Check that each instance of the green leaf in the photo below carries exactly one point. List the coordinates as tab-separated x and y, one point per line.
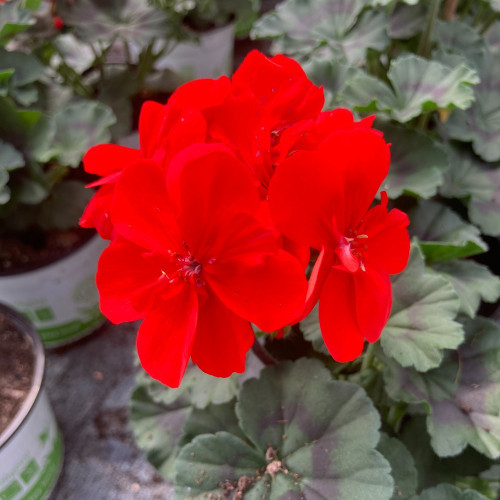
80	126
458	37
480	124
299	27
473	282
212	464
10	157
76	55
131	20
30	192
417	162
13	20
422	322
477	182
462	395
312	332
299	444
27	68
402	465
442	234
432	469
420	85
407	20
65	205
448	492
158	427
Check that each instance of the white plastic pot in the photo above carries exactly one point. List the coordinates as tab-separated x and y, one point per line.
210	58
31	449
60	299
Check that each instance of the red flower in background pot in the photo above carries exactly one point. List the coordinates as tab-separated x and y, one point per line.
192	260
322	198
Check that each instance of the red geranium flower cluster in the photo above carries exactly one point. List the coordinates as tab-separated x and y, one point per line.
212	219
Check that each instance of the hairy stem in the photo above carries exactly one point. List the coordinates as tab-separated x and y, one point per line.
425	41
450	9
368	357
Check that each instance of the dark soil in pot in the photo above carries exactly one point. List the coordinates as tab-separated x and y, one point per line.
17	362
36	248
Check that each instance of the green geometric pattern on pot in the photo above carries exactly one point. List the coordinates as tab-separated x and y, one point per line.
422	323
418	85
462	396
442	234
307	436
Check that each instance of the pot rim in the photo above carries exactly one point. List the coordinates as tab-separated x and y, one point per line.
25	327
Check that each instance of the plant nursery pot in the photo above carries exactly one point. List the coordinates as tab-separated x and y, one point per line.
60	298
31	449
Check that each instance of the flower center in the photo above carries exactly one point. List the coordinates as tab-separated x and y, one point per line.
184	267
351	250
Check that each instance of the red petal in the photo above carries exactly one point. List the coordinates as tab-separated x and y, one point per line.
96	213
388	240
122	271
151	122
373	300
106	159
303	195
337	317
319	274
141	211
269	293
222	339
359	161
201	94
209	186
166	336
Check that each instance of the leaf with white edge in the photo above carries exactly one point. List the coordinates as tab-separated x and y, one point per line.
442	234
158	427
420	85
301	445
403	468
418	163
27	68
13	19
201	389
312	332
422	322
80	126
480	124
407	20
473	282
448	492
131	20
462	395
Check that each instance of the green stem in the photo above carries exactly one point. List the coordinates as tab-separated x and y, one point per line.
423	121
262	354
489	21
368	357
478	16
425	40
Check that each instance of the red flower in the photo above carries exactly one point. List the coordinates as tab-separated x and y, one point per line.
194	262
322	198
164	130
57	23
